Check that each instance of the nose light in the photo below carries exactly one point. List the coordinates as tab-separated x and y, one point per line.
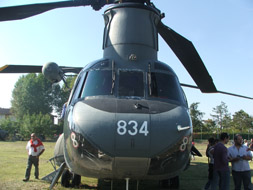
180	128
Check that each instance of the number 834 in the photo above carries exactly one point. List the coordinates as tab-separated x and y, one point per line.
132	128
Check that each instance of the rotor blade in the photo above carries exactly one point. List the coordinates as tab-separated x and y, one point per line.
20	69
24	11
189	57
33	69
221	92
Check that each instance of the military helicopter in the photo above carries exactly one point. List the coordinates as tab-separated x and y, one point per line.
127	115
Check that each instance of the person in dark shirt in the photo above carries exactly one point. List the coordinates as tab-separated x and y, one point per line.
209	154
221	173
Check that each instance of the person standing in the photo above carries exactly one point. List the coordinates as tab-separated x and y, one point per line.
251	145
209	154
239	158
221	174
245	142
35	149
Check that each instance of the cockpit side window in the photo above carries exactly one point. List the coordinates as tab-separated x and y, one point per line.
77	87
164	86
131	83
98	82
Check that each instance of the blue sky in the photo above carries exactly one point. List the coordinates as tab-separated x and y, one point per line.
220	30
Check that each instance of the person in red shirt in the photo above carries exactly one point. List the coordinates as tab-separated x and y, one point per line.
34	148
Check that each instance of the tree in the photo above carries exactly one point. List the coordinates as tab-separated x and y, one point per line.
196	117
242	121
9	125
63	96
34	99
209	125
221	117
41	124
32	94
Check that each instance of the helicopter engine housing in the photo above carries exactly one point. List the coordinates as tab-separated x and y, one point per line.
52	72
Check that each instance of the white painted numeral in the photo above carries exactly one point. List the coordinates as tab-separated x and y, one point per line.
144	128
133	125
121	127
135	130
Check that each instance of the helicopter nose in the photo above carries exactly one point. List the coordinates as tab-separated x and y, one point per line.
127	131
114	129
95	125
126	137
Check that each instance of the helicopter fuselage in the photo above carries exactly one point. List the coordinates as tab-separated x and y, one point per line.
127	132
127	116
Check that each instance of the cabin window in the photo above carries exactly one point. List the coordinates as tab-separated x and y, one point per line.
131	83
164	86
98	83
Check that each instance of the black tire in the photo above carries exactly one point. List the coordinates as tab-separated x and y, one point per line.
65	178
76	180
164	183
104	184
172	183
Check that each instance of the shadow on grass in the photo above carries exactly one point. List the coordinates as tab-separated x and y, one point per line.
194	178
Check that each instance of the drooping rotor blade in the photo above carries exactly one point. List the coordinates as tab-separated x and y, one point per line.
221	92
33	69
24	11
20	69
189	57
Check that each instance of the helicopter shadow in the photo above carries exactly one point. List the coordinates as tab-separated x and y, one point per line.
194	178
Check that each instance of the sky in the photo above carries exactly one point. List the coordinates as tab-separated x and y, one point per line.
221	31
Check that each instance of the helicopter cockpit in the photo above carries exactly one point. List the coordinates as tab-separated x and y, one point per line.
102	79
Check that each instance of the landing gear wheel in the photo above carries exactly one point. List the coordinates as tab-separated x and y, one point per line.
69	179
172	183
104	184
76	180
65	178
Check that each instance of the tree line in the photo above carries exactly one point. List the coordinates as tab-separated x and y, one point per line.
34	103
221	120
35	100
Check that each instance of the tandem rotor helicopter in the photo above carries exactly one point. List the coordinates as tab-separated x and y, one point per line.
127	116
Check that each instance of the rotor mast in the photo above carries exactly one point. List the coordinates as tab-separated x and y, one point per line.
130	33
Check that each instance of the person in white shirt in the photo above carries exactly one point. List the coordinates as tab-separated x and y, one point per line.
245	142
34	148
239	156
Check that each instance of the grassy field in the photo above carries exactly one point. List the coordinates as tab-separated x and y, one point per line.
13	158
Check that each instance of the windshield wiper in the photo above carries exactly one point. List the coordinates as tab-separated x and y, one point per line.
149	79
113	77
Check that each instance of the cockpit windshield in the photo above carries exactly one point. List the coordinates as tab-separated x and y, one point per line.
164	86
98	82
131	83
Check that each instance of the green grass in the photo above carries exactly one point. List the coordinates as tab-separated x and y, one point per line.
13	158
